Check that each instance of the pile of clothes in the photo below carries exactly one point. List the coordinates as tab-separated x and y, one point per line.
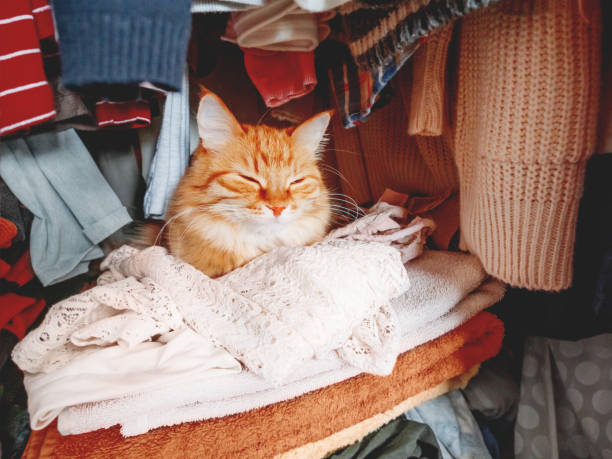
157	343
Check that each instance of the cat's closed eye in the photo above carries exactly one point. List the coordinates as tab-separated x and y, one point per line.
250	179
296	181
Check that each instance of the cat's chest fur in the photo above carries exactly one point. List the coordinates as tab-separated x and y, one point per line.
217	247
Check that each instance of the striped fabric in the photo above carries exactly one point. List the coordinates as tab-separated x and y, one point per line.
379	36
357	90
26	98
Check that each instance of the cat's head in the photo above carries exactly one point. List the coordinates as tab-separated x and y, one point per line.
259	176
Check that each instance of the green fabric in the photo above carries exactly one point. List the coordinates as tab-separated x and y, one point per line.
399	439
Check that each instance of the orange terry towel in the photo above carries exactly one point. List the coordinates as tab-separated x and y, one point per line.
281	427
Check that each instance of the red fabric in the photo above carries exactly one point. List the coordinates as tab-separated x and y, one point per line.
25	96
43	19
280	76
128	114
8	231
19	323
21	272
18	312
4	268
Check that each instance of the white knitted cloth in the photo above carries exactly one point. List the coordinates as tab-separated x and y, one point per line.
284	307
440	298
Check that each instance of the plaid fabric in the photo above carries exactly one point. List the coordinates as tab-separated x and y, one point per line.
373	39
375	36
356	90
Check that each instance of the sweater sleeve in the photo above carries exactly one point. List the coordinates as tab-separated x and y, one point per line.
123	41
527	104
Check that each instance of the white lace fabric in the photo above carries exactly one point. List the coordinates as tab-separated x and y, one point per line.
284	307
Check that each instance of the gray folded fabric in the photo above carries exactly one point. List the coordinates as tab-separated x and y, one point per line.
113	152
74	208
171	153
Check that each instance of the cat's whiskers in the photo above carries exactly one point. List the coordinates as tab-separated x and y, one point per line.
161	231
350	202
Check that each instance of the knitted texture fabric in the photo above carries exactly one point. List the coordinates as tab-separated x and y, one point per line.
527	105
427	107
284	306
123	41
375	35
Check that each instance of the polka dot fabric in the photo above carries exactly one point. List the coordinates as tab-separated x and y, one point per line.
565	409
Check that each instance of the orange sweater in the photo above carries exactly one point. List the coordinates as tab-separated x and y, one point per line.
527	105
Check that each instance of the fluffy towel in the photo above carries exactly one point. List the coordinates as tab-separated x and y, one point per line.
442	300
522	164
357	432
281	427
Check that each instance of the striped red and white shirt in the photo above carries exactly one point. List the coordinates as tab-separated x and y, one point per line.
26	98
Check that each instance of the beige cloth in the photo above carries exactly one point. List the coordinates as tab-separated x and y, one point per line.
527	107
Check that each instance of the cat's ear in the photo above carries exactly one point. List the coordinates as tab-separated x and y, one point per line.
216	123
311	133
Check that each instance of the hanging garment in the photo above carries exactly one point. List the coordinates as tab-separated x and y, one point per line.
521	165
566	401
279	25
585	309
373	37
399	438
74	208
172	152
379	39
426	100
125	42
453	425
356	90
26	98
380	154
280	76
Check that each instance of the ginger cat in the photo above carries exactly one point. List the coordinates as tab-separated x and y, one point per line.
249	189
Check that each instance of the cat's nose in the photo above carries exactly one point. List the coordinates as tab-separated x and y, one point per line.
277	210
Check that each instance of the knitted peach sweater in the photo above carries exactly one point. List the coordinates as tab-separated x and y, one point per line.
527	105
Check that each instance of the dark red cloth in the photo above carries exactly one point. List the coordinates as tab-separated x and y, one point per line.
280	76
20	304
26	98
127	114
